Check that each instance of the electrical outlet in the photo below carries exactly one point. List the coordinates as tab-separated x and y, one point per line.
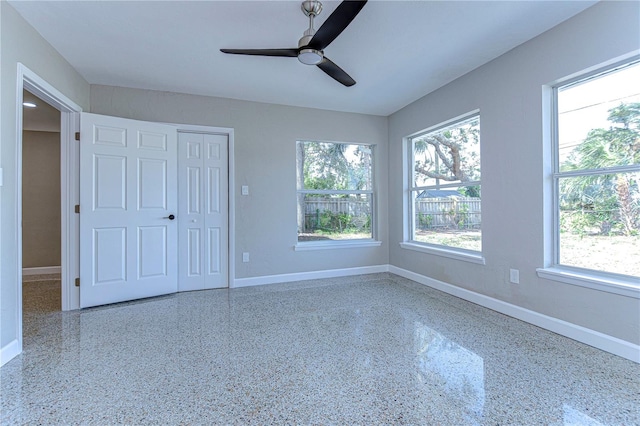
245	257
245	190
514	276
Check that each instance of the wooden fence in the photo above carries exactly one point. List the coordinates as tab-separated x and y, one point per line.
337	205
322	213
450	212
430	213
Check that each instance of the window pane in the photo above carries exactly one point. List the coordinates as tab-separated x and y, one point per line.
335	217
448	217
600	222
447	155
335	166
598	121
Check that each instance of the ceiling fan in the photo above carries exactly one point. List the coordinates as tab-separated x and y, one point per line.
310	50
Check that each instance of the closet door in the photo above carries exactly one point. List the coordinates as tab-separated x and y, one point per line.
203	210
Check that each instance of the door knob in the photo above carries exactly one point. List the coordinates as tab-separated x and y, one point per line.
170	217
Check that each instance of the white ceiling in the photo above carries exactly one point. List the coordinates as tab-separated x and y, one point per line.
397	51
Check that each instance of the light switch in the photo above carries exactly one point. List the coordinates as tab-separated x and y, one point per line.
245	189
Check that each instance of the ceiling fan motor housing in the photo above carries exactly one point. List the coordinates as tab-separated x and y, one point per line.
310	56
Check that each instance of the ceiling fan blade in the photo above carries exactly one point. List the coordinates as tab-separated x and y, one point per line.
289	53
336	23
335	72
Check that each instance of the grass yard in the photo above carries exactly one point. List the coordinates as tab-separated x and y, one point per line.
618	254
470	239
333	236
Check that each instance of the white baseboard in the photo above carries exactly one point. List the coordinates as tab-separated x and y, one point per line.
41	270
303	276
584	335
8	352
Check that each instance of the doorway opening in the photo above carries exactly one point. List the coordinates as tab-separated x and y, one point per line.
41	209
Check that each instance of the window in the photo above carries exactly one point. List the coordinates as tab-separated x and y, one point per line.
335	191
597	172
444	185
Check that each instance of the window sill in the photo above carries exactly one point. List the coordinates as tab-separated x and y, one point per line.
452	253
624	286
332	245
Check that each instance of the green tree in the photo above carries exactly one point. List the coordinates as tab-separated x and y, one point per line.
325	166
450	154
608	201
470	191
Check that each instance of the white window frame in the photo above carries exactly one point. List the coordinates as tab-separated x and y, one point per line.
409	189
595	279
339	244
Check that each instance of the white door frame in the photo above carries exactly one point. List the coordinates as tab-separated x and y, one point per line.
231	226
69	255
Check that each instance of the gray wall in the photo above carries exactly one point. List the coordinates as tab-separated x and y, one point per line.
509	93
265	159
19	42
40	199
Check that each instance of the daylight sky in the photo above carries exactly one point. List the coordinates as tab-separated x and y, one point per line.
585	106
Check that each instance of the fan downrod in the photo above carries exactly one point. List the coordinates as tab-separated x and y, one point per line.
310	8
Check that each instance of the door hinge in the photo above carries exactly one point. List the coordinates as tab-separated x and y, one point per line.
77	282
77	208
77	136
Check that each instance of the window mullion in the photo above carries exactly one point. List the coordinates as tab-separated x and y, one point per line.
334	191
602	171
448	185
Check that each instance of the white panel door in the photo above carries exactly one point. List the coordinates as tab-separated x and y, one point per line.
128	192
203	210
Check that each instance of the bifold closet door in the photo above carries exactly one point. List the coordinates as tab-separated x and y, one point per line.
203	209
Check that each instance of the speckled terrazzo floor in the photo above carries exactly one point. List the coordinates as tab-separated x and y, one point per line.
372	349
